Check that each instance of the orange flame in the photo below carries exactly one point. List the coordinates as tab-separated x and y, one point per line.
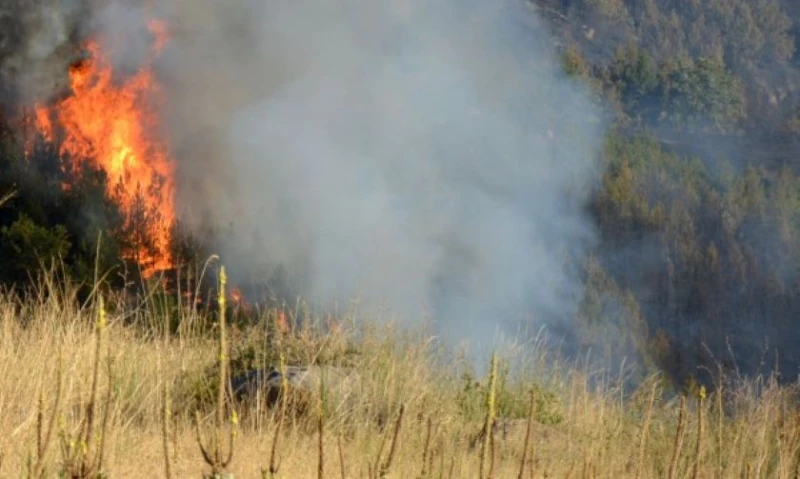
236	295
281	322
113	125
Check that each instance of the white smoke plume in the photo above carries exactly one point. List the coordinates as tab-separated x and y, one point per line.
425	156
422	155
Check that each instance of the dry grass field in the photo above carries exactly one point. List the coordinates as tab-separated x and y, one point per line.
102	391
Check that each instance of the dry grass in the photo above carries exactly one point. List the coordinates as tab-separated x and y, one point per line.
414	412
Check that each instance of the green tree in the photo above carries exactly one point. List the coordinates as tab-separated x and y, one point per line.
636	76
702	95
28	247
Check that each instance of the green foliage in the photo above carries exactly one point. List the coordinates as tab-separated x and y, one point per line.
512	399
29	247
613	327
635	74
742	33
62	213
641	184
709	266
612	10
703	95
573	63
692	266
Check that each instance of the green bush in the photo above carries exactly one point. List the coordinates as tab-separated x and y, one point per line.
28	246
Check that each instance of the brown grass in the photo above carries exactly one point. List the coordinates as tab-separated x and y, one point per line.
414	413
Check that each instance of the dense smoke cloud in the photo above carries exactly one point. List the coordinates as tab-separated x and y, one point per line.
428	157
424	156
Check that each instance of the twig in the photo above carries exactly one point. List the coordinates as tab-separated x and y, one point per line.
384	469
528	429
213	454
321	446
699	450
646	430
426	450
676	449
487	459
274	461
341	457
43	438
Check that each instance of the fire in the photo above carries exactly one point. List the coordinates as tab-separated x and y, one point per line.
236	295
112	124
160	34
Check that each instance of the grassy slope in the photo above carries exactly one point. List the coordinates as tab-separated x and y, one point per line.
578	431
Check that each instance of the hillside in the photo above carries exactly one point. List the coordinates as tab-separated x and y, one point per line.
698	204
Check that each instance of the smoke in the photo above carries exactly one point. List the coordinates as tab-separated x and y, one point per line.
427	157
37	42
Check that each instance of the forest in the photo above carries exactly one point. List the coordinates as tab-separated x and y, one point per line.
698	204
698	207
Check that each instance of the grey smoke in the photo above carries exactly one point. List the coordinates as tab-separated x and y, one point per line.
428	157
37	40
421	155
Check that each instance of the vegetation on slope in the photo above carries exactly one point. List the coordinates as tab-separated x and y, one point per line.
697	207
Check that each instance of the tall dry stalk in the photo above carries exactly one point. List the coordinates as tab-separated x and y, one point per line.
165	417
387	464
81	458
214	455
441	464
321	428
699	449
274	460
342	466
646	429
796	434
381	467
91	409
528	429
372	468
44	433
720	428
678	444
166	412
321	447
106	412
452	470
426	449
487	451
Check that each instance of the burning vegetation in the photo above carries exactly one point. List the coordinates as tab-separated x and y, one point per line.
112	123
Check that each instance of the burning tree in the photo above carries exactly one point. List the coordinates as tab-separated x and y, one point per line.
112	126
43	222
140	246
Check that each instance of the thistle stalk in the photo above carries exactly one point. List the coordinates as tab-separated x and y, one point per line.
487	451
